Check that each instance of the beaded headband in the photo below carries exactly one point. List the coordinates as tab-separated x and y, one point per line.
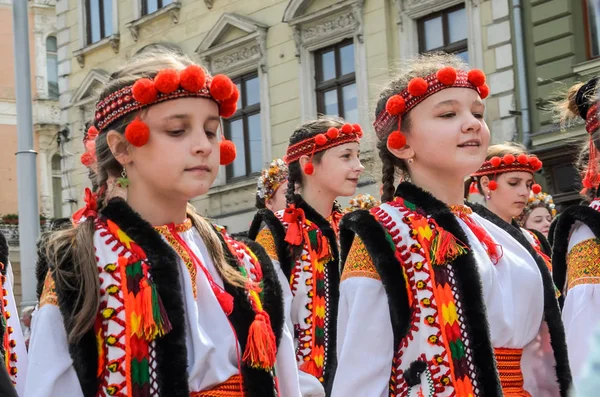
320	142
537	200
509	163
271	179
168	84
417	90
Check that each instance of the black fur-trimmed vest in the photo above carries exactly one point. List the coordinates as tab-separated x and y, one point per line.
121	229
316	336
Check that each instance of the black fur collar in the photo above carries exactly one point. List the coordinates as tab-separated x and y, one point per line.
469	285
562	232
284	255
171	351
551	310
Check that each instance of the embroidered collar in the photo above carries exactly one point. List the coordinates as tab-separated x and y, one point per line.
179	227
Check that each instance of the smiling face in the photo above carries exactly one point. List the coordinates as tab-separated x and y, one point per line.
510	197
539	219
181	158
447	136
338	171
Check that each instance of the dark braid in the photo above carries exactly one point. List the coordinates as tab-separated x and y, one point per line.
294	176
391	164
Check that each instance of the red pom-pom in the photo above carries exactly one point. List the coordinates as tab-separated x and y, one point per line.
356	128
508	159
235	94
309	169
476	77
227	109
347	128
90	146
495	161
87	159
417	86
144	91
320	139
522	159
137	133
484	91
538	165
359	133
332	133
167	81
221	87
493	185
395	105
536	189
92	133
192	78
396	140
228	151
446	75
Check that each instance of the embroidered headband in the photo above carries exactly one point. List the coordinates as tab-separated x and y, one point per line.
509	163
416	91
362	202
320	142
537	200
168	84
271	179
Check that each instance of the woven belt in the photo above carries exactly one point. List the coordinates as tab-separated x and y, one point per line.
232	387
509	368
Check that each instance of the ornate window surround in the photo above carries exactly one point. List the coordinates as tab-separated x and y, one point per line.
112	40
409	11
238	57
139	20
320	29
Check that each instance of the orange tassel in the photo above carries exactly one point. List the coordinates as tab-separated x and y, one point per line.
310	367
261	347
445	248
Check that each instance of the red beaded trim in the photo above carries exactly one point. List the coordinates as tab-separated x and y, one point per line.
591	121
509	163
385	121
320	142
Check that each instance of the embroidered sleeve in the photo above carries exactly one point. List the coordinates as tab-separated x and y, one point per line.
265	238
359	262
48	296
583	263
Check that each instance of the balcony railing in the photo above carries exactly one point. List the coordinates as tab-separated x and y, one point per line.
11	232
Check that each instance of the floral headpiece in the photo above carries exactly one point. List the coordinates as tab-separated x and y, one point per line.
362	202
271	178
193	81
509	163
588	108
315	144
537	200
416	91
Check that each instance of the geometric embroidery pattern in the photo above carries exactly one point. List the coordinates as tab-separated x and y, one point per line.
359	262
583	263
266	240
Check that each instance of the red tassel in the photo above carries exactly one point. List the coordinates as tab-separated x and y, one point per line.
310	367
261	347
493	249
445	248
295	218
225	300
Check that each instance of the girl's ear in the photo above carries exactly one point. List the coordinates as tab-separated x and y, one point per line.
405	153
119	147
484	181
303	161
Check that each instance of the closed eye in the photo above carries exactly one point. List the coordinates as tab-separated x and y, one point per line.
478	115
448	115
175	132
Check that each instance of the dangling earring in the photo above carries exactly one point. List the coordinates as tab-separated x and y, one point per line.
123	181
410	160
488	196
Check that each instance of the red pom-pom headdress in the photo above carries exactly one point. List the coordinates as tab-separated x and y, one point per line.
320	142
509	163
417	90
193	81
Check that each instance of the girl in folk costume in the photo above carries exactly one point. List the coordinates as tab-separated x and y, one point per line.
272	186
576	248
323	162
144	297
13	352
442	301
538	214
506	181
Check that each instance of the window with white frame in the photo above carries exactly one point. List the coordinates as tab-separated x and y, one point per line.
445	30
336	81
52	67
244	129
150	6
99	19
592	24
57	185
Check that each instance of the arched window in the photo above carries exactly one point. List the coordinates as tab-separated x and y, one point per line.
52	67
57	200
